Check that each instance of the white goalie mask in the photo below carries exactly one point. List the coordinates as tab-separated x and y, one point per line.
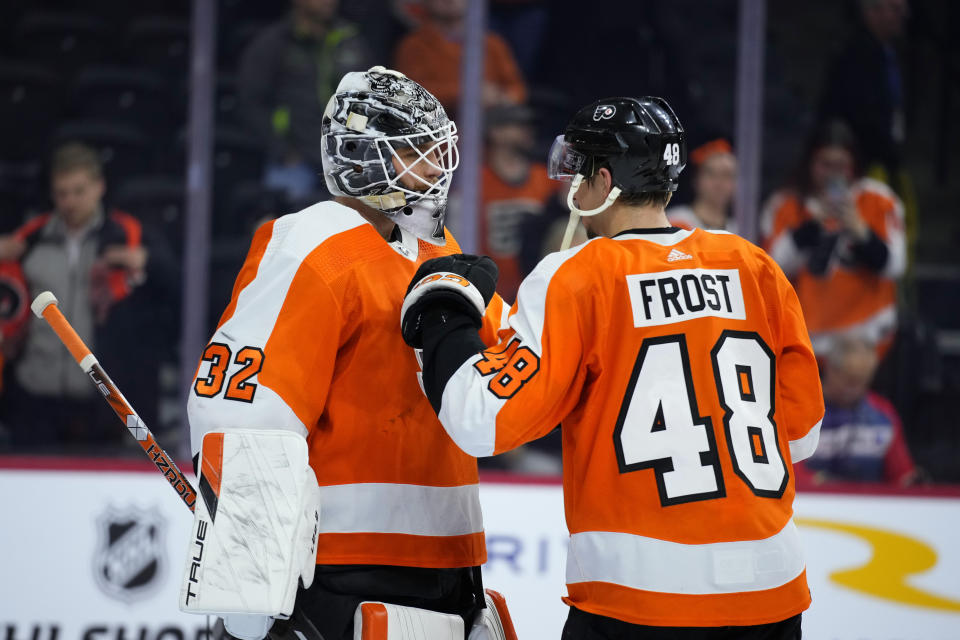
377	128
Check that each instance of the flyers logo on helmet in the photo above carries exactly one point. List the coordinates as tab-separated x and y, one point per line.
604	112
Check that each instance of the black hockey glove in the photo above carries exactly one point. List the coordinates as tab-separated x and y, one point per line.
808	234
455	285
871	253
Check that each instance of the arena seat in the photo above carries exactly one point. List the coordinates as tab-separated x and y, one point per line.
64	41
30	103
160	43
158	201
123	94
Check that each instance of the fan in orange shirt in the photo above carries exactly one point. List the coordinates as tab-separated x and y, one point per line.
840	239
513	188
714	183
431	54
679	368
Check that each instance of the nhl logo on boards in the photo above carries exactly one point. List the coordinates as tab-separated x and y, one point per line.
604	112
129	558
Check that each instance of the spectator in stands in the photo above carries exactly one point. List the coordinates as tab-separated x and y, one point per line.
286	76
523	24
714	184
840	238
431	55
92	258
543	234
861	437
864	86
514	187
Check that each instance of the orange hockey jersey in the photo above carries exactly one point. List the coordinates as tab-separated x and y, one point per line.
680	369
845	298
310	342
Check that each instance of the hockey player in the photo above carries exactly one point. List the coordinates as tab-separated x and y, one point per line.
680	369
320	461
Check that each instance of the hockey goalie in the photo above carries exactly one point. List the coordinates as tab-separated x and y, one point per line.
332	503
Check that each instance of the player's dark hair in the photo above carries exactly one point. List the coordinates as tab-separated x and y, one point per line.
631	198
647	198
830	133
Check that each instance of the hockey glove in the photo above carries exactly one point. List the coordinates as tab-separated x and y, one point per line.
459	283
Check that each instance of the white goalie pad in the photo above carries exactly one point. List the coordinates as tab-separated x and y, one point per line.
382	621
493	622
255	525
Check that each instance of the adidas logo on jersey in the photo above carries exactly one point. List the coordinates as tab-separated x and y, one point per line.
676	254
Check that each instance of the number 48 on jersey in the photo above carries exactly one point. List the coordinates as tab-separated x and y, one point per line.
660	426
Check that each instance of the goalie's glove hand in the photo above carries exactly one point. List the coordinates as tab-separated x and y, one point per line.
459	283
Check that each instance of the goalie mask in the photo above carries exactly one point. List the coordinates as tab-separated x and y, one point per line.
377	127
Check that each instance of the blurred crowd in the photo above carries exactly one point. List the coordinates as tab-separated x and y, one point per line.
94	212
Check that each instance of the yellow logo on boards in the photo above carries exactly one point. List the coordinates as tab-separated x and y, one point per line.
895	557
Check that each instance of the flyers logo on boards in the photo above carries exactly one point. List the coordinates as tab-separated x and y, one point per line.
604	112
129	559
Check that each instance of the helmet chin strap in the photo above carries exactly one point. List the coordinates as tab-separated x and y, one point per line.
576	213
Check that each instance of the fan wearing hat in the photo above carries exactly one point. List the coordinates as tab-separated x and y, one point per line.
714	183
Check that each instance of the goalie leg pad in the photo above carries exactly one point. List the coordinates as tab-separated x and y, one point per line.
255	526
493	622
247	627
383	621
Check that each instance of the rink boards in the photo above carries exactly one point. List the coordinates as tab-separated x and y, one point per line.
88	553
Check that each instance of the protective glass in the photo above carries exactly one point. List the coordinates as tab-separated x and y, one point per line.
564	161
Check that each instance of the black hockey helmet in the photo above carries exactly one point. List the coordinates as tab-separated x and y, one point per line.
640	140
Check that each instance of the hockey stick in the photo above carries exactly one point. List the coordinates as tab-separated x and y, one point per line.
45	307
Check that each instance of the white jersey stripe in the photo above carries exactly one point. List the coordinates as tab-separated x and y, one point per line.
532	298
400	508
258	305
657	565
803	448
295	236
468	411
875	328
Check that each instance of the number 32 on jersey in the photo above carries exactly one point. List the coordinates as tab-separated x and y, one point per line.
218	355
660	426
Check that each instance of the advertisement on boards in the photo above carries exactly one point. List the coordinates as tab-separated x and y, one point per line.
98	555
